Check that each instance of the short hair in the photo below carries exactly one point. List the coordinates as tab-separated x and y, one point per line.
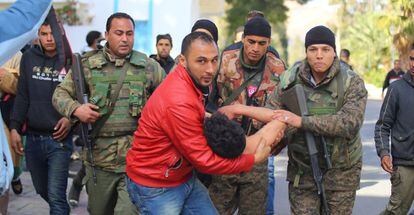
46	22
224	136
254	13
92	36
165	37
118	15
191	37
346	52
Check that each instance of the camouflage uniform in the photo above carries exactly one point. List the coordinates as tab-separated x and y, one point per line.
246	191
102	71
339	122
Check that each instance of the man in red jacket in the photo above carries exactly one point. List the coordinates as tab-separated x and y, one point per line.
169	142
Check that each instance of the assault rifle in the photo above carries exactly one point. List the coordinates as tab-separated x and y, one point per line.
295	101
82	97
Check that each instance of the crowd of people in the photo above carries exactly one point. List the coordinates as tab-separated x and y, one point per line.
197	134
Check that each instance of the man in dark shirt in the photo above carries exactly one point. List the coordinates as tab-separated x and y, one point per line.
394	141
164	46
394	74
48	146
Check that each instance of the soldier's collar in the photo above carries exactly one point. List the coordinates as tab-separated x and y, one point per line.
113	59
250	67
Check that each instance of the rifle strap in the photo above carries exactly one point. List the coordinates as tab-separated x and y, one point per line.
341	90
246	121
237	92
100	123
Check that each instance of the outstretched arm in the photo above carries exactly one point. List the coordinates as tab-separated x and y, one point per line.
272	133
261	114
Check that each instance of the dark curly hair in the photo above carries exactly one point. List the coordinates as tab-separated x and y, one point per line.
225	137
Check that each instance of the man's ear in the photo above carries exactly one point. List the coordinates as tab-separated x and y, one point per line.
106	35
183	61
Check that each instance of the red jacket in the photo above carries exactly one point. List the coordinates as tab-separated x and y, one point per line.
169	141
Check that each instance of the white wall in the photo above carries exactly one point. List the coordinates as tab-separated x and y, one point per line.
174	17
101	10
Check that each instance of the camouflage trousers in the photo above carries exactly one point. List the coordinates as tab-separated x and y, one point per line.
402	190
245	191
340	190
109	195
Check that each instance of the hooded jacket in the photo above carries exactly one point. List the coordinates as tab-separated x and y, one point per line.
37	82
396	122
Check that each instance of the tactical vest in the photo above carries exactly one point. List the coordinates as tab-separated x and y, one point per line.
132	96
324	100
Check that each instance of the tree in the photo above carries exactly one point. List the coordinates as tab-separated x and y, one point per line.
371	30
399	19
275	12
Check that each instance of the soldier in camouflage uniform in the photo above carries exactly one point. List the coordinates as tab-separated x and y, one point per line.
102	68
336	99
251	63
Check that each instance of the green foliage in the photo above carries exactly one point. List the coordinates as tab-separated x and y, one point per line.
376	32
67	13
369	44
275	12
375	77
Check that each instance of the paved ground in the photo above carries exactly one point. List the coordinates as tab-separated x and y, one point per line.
29	203
371	198
375	189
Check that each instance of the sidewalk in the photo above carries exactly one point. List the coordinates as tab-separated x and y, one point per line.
30	203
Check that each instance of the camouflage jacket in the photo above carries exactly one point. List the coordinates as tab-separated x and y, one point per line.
233	72
340	127
109	151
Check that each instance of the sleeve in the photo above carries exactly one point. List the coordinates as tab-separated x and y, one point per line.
348	120
8	83
155	75
19	25
386	81
64	98
183	126
21	102
274	103
385	122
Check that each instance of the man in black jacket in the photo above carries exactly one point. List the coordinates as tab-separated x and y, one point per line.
397	120
164	46
48	146
393	75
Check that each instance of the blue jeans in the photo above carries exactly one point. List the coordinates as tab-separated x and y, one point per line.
48	163
190	197
271	188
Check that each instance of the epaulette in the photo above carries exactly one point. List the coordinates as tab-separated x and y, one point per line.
95	59
138	59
